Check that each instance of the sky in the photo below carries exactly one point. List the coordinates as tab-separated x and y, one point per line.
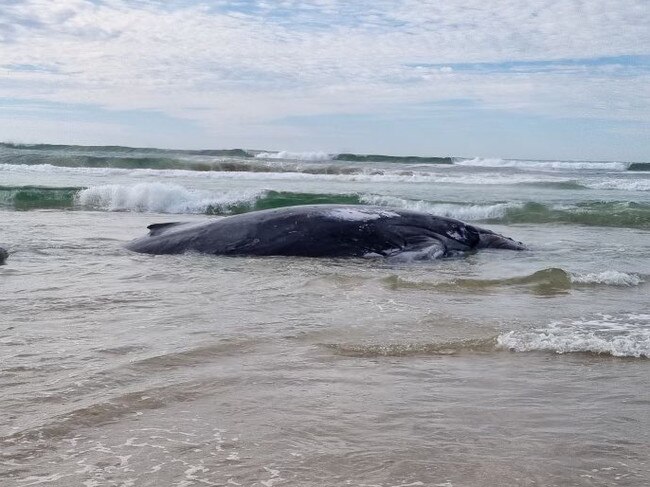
537	79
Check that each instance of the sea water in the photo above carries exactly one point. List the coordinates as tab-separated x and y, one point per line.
493	368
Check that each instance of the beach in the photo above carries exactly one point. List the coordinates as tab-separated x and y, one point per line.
491	368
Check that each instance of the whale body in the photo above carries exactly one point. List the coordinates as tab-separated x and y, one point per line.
323	231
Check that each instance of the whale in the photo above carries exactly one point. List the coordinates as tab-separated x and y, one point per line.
324	231
3	255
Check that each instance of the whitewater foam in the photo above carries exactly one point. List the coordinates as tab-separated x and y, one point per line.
450	210
611	278
368	175
360	214
555	165
295	156
622	336
173	198
621	184
161	198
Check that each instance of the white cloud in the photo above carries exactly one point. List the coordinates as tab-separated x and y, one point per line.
246	63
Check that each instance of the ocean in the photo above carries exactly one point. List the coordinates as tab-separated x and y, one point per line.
488	369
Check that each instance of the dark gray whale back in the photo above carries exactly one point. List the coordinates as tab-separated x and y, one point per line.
323	231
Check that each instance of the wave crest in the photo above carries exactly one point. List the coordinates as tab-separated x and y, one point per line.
295	156
623	336
621	184
450	210
172	198
611	278
555	165
161	198
545	282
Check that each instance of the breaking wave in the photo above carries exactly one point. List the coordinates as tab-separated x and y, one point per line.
450	210
596	213
37	197
554	165
243	170
393	159
545	282
295	156
639	166
611	278
261	161
618	336
174	198
160	198
620	184
256	169
171	198
625	214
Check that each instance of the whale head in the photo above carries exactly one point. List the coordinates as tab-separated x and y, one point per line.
491	240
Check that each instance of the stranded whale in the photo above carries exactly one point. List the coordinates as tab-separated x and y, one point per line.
323	231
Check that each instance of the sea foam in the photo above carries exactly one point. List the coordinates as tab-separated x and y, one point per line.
160	198
299	174
556	165
611	278
172	198
619	336
620	184
295	156
450	210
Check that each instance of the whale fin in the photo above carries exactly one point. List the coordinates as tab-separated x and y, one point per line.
422	249
158	228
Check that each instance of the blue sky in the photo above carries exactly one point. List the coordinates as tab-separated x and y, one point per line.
548	79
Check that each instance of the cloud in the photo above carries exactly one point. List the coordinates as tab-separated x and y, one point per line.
236	65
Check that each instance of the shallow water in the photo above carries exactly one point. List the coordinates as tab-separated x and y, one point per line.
495	368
